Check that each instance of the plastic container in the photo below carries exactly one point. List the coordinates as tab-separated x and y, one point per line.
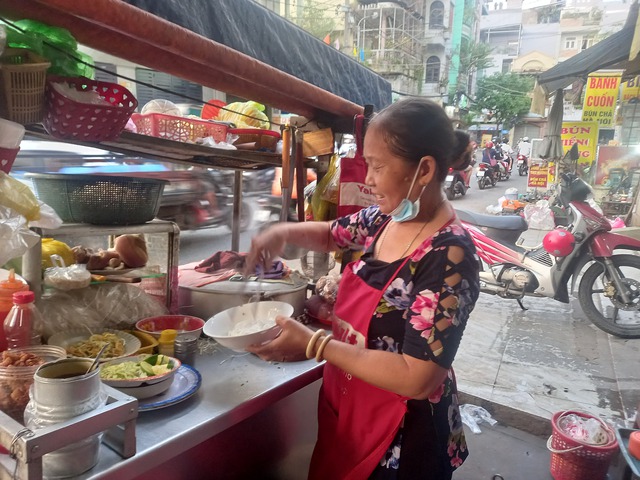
19	323
22	83
100	199
179	129
69	119
572	459
16	377
11	134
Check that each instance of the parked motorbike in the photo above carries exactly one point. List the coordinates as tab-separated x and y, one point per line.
457	182
486	175
522	162
609	289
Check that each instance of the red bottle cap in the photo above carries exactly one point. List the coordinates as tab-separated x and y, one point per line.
21	298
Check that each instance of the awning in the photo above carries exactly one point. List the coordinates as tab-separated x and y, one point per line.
612	52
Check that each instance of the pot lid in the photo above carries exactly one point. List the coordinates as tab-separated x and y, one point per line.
294	282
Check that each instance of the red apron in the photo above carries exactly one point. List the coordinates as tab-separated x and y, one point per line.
357	421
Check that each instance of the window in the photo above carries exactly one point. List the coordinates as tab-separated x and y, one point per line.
586	43
169	82
102	76
436	15
506	65
570	43
433	70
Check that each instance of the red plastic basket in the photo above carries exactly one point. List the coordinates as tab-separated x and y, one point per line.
179	129
574	460
7	157
68	119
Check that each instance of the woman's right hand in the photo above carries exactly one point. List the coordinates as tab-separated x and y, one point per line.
266	247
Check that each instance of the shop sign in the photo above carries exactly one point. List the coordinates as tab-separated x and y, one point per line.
610	157
585	134
600	99
631	90
538	176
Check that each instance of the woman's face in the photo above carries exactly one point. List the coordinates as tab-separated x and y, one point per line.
388	176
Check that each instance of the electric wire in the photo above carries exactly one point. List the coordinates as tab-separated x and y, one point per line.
139	82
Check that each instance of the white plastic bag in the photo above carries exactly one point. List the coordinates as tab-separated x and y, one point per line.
472	415
539	215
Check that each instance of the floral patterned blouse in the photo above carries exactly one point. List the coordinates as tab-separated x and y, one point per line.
421	314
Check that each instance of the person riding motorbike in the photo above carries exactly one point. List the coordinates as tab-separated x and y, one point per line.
490	157
507	153
524	147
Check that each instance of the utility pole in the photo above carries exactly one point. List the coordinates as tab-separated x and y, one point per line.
347	40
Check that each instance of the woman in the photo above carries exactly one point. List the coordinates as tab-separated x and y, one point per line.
388	405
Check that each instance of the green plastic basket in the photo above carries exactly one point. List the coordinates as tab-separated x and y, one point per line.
100	199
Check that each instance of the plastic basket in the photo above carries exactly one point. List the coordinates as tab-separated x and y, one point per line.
574	460
179	129
100	199
264	139
71	120
22	84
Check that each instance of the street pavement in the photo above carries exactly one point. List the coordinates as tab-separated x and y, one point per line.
524	366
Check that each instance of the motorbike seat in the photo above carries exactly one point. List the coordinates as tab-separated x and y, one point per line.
501	228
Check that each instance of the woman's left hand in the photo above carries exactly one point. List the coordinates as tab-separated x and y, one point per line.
289	346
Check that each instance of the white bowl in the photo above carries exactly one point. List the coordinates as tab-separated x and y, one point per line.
146	391
132	383
220	326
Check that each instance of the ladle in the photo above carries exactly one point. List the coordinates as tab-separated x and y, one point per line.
93	366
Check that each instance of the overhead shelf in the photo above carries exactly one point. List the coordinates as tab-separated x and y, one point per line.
177	152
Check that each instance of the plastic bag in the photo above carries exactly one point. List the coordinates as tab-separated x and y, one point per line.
66	278
326	192
110	305
15	236
17	196
49	219
539	216
245	115
472	415
585	430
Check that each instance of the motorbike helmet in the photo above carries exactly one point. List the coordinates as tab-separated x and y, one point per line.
559	242
525	139
488	145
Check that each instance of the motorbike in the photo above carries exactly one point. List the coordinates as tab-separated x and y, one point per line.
523	164
194	200
609	287
504	173
457	182
486	176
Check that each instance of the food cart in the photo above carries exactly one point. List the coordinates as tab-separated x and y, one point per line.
243	416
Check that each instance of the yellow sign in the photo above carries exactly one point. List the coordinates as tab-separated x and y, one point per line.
631	90
600	99
585	134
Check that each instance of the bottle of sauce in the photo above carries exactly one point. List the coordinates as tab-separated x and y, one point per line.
7	288
166	342
22	321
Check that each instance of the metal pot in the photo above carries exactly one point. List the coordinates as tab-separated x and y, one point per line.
206	301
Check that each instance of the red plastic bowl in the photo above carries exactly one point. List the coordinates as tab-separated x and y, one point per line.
186	325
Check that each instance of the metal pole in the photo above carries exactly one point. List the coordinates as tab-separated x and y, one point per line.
237	204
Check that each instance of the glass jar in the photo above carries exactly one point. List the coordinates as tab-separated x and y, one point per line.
16	378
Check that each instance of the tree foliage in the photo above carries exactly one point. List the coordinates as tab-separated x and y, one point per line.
474	57
315	20
505	96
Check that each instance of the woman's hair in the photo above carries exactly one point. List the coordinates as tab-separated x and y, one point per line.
461	155
416	127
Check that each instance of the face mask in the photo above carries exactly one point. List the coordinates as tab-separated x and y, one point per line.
408	210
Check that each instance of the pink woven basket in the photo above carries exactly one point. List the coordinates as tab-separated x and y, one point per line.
69	119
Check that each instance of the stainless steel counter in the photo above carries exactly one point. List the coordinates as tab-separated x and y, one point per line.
234	388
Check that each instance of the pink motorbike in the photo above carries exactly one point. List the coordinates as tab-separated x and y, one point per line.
609	288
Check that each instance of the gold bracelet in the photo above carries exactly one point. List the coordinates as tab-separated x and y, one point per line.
324	343
312	342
